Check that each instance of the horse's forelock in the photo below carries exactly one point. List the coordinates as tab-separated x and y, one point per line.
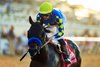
36	29
37	25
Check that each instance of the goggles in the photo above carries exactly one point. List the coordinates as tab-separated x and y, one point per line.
46	14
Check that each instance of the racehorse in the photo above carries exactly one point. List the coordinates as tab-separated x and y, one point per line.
45	54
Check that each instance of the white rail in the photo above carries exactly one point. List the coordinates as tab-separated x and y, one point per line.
95	39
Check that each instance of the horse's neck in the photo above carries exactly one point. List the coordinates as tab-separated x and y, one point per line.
47	57
42	57
44	52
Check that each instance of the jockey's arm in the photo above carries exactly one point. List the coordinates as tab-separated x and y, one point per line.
60	28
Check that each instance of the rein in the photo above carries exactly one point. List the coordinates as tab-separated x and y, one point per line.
39	49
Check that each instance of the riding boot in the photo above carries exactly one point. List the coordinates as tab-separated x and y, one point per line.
65	51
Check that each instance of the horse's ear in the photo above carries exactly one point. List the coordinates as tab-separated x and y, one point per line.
30	20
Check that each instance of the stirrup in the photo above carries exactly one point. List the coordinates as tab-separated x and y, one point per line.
67	61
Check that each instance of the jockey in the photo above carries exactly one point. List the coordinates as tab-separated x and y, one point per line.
51	17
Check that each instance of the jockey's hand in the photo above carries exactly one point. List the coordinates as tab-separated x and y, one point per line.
50	39
53	40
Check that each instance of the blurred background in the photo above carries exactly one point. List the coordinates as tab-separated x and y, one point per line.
82	26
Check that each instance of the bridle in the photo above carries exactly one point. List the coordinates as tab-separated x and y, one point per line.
37	49
34	50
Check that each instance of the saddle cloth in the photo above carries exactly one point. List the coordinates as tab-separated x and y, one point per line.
71	54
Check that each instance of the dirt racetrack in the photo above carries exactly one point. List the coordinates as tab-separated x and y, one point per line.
7	61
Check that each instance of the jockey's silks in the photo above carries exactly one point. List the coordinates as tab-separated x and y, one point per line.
57	19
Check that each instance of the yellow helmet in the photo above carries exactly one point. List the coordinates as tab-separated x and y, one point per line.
46	8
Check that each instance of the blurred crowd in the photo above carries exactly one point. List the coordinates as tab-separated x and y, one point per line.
85	45
89	46
10	44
